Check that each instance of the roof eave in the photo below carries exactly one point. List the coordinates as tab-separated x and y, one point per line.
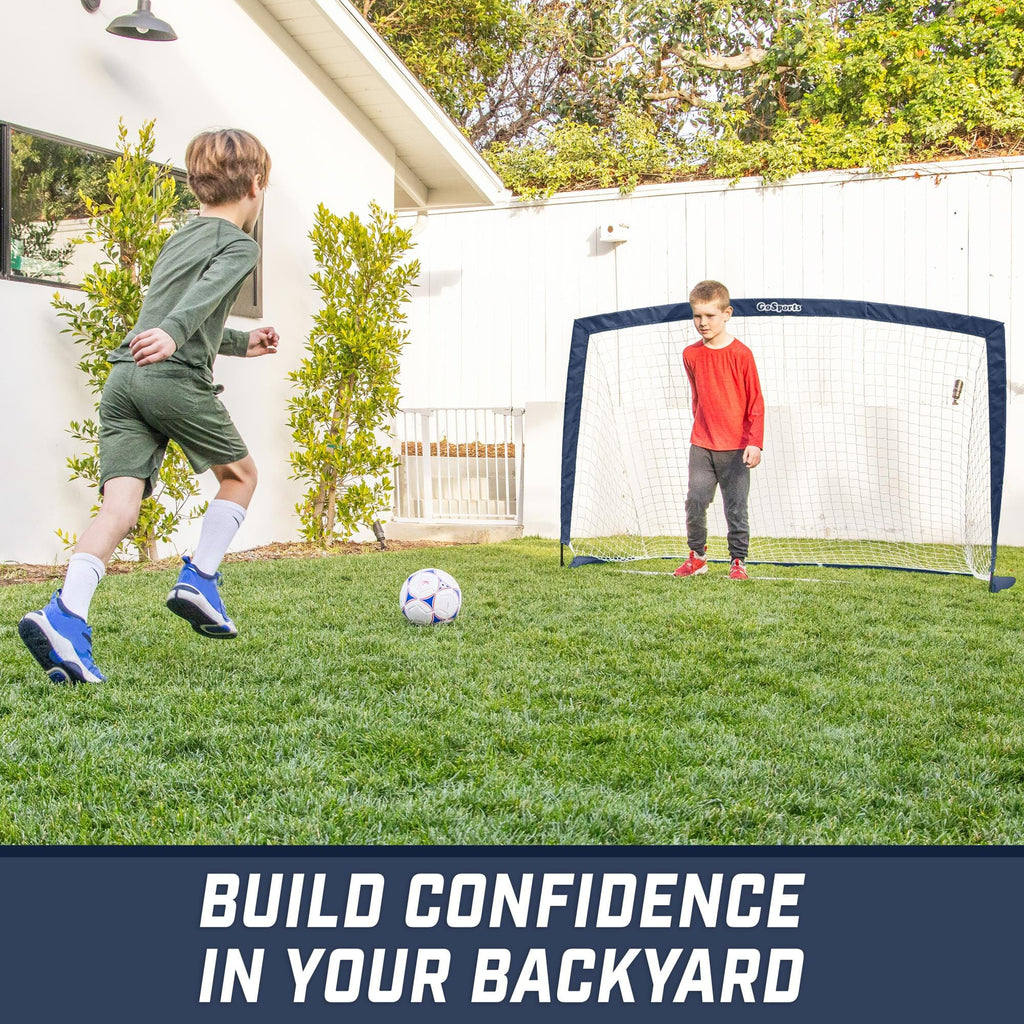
450	172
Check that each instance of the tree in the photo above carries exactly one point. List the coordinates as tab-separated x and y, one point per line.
751	87
347	383
131	226
576	155
500	68
833	85
457	50
935	80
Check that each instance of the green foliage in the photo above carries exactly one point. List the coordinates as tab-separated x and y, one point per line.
498	67
347	383
735	88
934	80
882	85
630	152
455	50
131	227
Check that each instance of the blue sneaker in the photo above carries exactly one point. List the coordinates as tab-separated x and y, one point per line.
196	599
61	642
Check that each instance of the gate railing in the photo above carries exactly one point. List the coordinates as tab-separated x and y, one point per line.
459	465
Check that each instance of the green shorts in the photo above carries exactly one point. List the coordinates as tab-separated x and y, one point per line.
143	407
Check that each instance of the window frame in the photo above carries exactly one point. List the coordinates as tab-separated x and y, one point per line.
250	299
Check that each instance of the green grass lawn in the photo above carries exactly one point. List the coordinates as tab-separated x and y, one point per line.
563	706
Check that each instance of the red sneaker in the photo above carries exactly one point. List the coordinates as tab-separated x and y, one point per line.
738	571
693	566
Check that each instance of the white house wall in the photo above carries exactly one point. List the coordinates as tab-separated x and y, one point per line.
491	318
65	75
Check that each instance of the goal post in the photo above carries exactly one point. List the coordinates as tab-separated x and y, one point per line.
885	436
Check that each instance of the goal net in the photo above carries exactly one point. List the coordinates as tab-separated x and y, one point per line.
884	436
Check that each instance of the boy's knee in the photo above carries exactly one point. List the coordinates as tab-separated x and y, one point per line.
242	472
121	520
247	474
120	509
237	480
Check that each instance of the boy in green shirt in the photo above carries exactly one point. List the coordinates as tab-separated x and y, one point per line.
161	388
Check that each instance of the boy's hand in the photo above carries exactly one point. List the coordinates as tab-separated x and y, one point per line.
262	342
751	456
152	346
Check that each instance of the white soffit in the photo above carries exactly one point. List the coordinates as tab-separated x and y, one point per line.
435	165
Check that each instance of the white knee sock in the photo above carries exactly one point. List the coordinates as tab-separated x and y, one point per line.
220	524
83	577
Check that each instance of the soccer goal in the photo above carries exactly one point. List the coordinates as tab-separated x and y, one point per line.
884	437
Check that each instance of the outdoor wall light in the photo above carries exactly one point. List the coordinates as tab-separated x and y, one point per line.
140	25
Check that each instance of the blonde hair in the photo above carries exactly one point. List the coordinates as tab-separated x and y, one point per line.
710	291
223	163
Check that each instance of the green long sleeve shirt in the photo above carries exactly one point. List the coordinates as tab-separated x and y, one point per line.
195	281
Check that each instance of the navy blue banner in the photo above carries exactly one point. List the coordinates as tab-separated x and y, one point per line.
567	934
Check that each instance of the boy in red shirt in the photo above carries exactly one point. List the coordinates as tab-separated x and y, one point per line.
728	429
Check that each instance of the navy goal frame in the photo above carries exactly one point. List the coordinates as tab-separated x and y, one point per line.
993	332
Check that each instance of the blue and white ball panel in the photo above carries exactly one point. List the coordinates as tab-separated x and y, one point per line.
429	596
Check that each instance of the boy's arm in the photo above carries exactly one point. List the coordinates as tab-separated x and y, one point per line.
754	412
233	343
693	383
260	342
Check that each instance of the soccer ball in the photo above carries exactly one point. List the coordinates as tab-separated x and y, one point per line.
429	596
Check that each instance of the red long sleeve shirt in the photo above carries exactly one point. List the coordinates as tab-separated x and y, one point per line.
728	407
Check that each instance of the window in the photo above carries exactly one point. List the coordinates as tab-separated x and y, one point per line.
42	180
43	208
250	298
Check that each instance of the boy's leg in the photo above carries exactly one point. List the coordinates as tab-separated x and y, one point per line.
225	514
237	481
195	596
734	478
119	512
58	635
81	579
700	492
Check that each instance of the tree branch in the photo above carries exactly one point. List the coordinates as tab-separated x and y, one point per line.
749	57
687	96
629	45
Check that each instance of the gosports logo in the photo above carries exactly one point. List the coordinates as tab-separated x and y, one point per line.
779	307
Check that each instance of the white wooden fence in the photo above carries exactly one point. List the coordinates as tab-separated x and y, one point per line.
492	314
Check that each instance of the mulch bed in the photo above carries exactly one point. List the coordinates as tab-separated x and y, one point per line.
15	572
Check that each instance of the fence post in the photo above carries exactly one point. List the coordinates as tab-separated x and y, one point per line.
427	464
518	432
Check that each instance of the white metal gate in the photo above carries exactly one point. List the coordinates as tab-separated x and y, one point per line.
459	465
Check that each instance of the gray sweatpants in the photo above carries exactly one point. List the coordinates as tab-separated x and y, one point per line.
709	470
